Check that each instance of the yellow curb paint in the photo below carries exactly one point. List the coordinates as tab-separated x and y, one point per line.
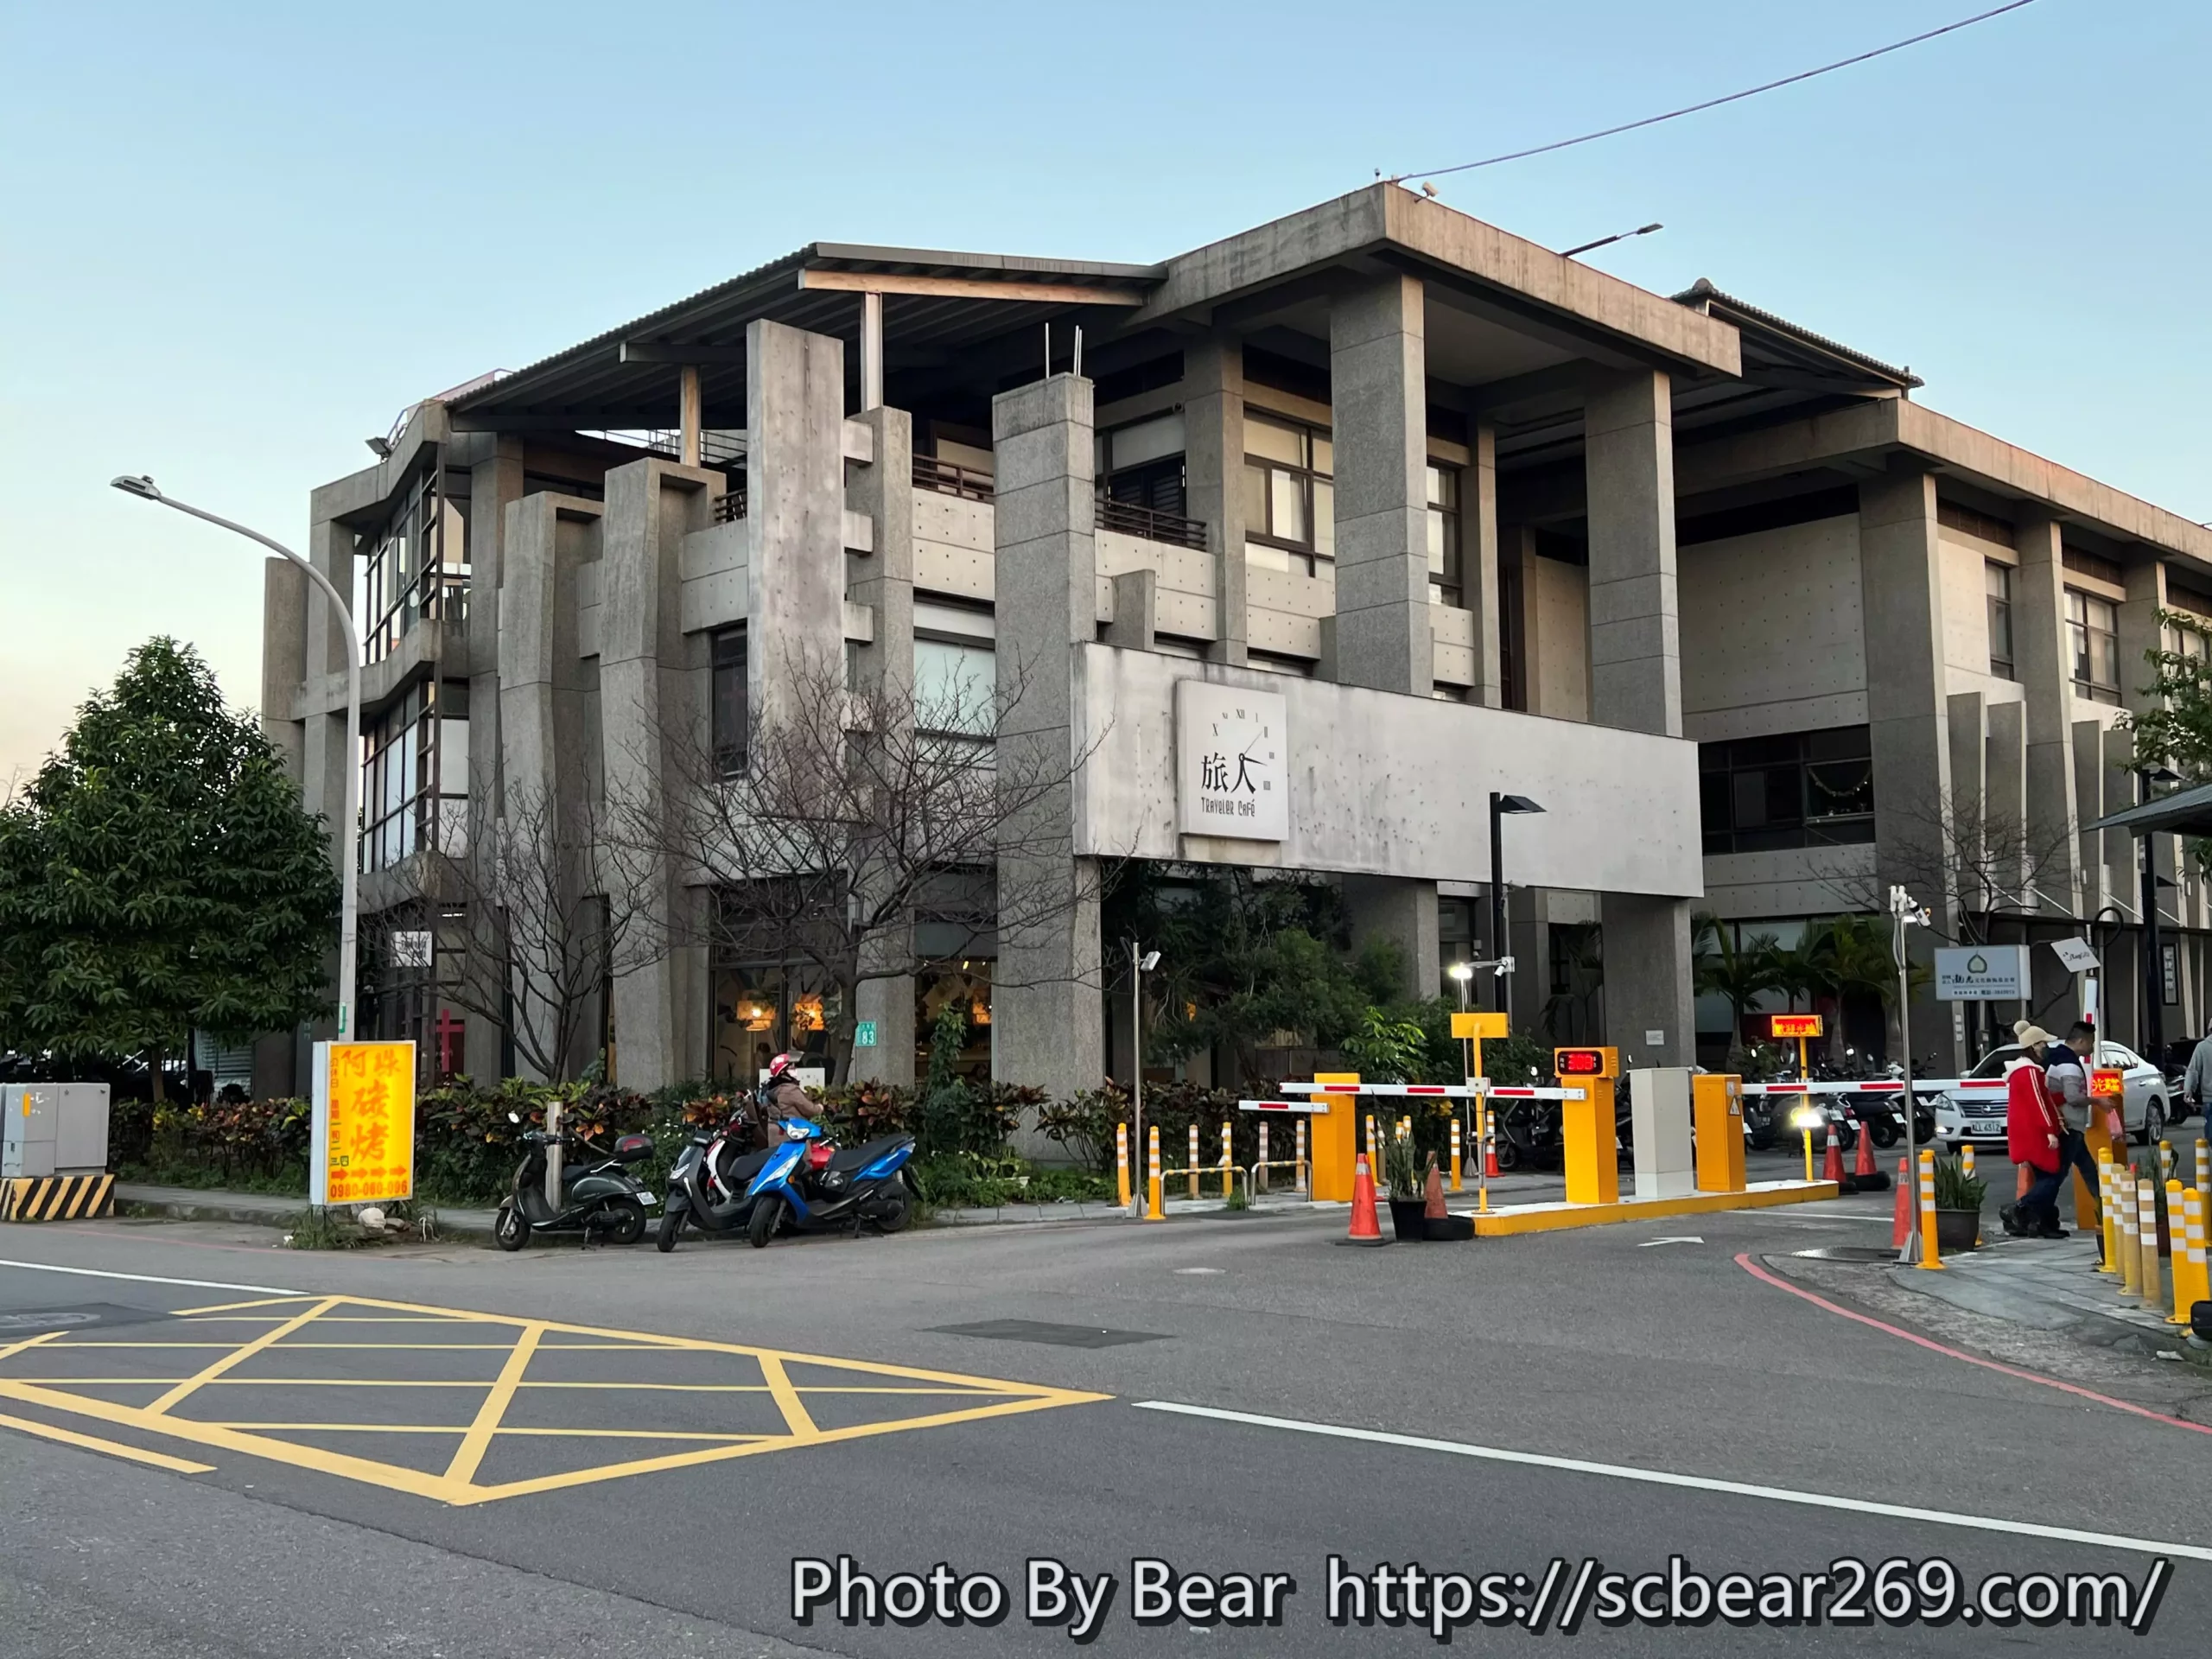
1505	1222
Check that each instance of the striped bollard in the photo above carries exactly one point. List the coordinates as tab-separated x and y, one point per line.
1930	1255
1261	1168
2131	1257
1121	1162
2166	1161
1455	1154
1374	1147
2107	1221
1965	1158
1227	1162
2204	1171
2200	1286
1154	1209
1194	1160
2147	1239
2185	1281
1303	1182
1406	1127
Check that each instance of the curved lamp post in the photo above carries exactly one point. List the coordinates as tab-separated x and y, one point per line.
350	900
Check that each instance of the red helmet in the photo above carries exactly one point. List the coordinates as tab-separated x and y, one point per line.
781	1064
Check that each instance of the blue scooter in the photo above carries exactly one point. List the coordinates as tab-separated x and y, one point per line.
808	1186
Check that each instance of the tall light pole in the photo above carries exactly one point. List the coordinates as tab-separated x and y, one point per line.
1905	913
1500	804
349	906
1140	963
2154	963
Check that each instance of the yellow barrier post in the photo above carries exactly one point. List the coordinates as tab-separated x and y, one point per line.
1965	1158
1194	1160
1808	1143
2106	1223
1930	1255
2165	1160
1455	1153
2146	1237
1589	1147
1717	1122
1305	1175
1227	1164
2185	1281
1484	1152
1155	1211
2200	1288
2131	1257
1336	1139
1406	1127
1374	1147
2204	1171
1262	1172
1121	1161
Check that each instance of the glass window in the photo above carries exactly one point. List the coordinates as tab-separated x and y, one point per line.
731	711
1997	584
1444	535
415	567
415	776
2190	644
1803	789
2094	625
1289	500
956	687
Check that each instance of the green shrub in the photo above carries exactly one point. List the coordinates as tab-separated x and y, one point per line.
1956	1189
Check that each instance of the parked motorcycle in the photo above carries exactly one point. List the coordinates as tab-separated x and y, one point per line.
808	1186
598	1196
711	1185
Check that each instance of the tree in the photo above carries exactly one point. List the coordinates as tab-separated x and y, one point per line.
2177	729
159	874
545	917
1972	864
853	814
1741	971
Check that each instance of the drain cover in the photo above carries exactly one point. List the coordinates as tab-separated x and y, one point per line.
1061	1336
1861	1253
28	1322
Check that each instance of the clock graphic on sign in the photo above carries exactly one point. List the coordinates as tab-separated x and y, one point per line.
1243	761
1232	775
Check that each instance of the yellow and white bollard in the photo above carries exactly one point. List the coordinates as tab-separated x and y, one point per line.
1154	1210
2166	1161
2204	1171
1374	1147
1227	1162
1194	1160
2183	1278
1260	1170
2123	1208
1455	1154
1965	1158
1930	1255
1304	1180
1121	1161
2146	1232
2200	1286
1406	1129
2108	1219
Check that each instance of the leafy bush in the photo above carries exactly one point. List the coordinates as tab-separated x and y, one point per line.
1084	1126
1956	1189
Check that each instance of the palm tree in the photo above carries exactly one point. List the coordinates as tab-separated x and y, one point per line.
1741	971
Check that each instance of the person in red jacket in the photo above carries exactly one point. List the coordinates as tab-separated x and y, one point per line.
2033	1133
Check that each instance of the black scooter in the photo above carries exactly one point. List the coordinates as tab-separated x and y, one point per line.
597	1197
707	1187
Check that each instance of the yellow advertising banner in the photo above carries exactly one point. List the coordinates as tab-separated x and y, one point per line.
1480	1027
364	1139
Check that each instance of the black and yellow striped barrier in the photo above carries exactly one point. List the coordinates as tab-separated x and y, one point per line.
57	1198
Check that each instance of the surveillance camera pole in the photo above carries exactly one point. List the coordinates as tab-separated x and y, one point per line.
349	869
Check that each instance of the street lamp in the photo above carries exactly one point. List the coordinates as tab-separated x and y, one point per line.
1140	965
349	899
1906	912
1500	804
2154	964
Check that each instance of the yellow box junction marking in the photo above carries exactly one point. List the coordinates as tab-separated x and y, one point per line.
34	1372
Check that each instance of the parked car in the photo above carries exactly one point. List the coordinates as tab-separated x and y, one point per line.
1978	1115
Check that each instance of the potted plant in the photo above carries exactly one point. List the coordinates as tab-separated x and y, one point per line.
1958	1207
1407	1208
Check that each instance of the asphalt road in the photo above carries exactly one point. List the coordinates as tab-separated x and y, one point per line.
448	1452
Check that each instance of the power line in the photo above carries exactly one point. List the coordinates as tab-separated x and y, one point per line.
1714	103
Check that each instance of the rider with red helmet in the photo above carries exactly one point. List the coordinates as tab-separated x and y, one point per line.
784	1095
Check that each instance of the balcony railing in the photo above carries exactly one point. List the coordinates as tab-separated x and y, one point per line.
1151	524
437	595
728	509
945	478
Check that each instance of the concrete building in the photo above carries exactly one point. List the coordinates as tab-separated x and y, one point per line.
1414	508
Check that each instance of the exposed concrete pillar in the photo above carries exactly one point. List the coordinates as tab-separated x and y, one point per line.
1213	475
690	414
883	581
1378	369
650	709
1478	588
495	484
1046	1013
795	506
1404	912
1901	597
326	747
2042	656
1636	666
1636	682
2139	628
285	591
2087	805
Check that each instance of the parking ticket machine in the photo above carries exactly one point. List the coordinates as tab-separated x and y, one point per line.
1594	1172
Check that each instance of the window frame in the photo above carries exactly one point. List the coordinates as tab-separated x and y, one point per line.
1725	767
1311	481
2083	636
1997	610
729	665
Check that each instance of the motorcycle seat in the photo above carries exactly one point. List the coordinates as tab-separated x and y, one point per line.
743	1169
859	1157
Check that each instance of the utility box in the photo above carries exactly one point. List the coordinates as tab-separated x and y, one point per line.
1659	1109
53	1128
1718	1109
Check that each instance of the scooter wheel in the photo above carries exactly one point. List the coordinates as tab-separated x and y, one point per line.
1885	1135
671	1228
762	1226
892	1212
1509	1157
629	1221
510	1228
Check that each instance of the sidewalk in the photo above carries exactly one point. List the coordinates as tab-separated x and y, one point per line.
2046	1284
261	1209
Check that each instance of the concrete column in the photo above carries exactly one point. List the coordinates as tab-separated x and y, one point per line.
2042	656
1213	477
1478	587
1404	912
2003	792
1635	668
1377	369
795	504
285	591
1646	952
649	704
2095	879
1901	597
690	415
883	581
2139	629
326	748
1046	1025
495	483
1970	831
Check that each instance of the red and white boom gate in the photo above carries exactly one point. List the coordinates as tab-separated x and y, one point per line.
1336	1141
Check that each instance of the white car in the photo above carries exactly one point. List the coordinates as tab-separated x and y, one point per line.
1977	1115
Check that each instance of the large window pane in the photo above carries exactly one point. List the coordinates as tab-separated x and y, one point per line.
1286	507
956	687
730	702
1797	789
1324	518
1272	441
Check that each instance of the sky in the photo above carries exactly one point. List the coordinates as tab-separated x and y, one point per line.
240	239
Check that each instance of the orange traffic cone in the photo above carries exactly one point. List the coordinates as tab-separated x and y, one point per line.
1863	1175
1832	1160
1904	1218
1364	1229
1490	1153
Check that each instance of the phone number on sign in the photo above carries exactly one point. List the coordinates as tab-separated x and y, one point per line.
1850	1592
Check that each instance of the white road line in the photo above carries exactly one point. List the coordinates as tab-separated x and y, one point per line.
1700	1483
151	1279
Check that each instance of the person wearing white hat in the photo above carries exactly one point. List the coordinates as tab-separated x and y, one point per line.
2033	1133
